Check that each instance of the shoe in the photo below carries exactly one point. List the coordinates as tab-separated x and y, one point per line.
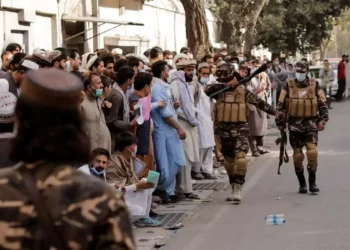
176	198
231	198
264	151
197	176
192	196
237	193
153	214
163	196
146	222
302	181
156	199
154	205
209	176
256	154
312	181
330	107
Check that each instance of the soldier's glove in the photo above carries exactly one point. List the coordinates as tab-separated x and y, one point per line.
280	116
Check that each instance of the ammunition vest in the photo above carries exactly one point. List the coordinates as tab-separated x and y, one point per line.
302	102
231	106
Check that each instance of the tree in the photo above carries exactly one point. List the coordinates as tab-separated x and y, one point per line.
239	18
197	28
289	26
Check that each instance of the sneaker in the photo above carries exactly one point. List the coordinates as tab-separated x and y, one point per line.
146	222
208	176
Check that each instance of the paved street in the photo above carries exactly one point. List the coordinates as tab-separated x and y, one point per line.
313	222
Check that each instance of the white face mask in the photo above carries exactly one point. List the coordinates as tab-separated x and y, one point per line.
133	153
169	61
300	76
204	80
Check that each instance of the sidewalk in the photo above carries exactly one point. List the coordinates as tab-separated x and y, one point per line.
182	212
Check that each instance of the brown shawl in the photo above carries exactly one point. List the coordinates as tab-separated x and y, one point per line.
120	171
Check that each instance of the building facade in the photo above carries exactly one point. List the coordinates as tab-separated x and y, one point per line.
132	25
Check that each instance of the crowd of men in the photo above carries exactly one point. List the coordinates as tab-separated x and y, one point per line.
150	110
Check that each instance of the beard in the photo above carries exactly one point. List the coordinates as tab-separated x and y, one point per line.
188	78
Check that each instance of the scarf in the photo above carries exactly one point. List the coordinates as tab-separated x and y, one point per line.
126	116
186	100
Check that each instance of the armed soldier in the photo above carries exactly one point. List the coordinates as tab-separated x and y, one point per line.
306	105
232	126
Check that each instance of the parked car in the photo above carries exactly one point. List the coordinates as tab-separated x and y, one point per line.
315	71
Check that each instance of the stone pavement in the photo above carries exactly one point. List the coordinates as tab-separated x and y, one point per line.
182	212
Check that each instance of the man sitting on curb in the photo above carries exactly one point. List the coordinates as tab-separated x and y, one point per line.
121	173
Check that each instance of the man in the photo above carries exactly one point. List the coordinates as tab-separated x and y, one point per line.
136	64
341	78
205	127
185	50
327	77
118	116
232	126
187	114
5	57
257	119
14	79
108	61
167	135
121	173
98	164
168	57
290	71
7	119
44	188
95	124
96	65
209	59
156	54
306	105
13	48
117	52
280	76
74	60
15	60
58	59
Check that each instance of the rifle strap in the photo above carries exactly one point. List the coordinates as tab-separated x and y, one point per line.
47	223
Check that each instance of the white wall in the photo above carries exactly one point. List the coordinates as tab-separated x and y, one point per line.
164	24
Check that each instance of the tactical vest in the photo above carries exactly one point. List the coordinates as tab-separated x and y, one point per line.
231	106
302	102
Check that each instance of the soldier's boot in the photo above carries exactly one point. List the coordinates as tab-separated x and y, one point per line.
229	164
312	180
241	164
237	190
298	157
312	155
302	182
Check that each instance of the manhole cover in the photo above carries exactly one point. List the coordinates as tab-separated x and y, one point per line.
170	219
209	186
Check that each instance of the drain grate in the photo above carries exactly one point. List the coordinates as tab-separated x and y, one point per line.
209	186
170	219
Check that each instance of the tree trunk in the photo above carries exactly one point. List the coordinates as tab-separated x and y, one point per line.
324	49
252	18
197	28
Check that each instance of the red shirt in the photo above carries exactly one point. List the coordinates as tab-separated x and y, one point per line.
341	70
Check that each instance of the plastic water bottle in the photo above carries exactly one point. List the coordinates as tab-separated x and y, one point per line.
275	219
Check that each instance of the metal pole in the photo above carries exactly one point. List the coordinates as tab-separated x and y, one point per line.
58	20
102	32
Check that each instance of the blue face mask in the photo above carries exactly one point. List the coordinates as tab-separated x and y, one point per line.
300	77
204	80
96	172
97	92
67	65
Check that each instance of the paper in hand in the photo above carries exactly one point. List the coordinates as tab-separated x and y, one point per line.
138	112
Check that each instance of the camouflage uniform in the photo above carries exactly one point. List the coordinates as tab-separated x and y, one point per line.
234	136
87	213
303	132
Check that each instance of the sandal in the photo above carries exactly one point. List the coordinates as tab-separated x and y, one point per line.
192	196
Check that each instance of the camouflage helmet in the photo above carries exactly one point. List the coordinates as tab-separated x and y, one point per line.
225	67
302	67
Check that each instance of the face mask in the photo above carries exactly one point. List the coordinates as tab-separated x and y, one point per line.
97	92
300	76
204	80
67	65
241	59
97	172
133	153
169	61
277	63
194	72
143	70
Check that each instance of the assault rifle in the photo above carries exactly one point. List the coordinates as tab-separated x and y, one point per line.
282	141
261	69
